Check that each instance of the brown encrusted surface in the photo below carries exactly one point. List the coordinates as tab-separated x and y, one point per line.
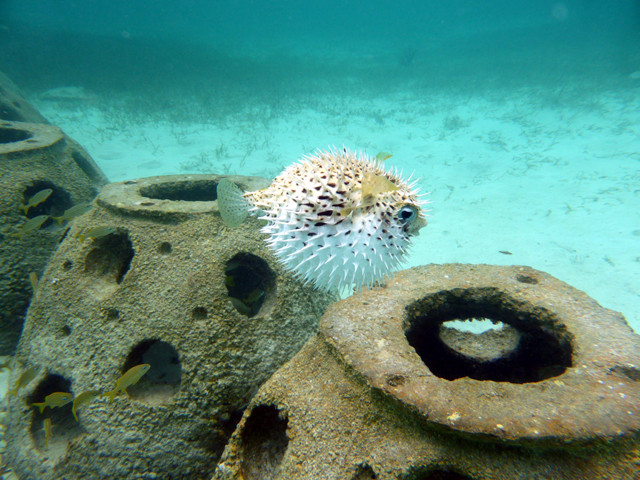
34	157
598	397
90	314
339	428
358	402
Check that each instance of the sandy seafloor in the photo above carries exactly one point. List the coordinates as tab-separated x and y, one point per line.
513	179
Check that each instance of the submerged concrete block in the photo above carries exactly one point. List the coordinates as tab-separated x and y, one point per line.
152	276
388	390
13	106
35	157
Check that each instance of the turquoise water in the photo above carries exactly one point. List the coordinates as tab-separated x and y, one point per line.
520	117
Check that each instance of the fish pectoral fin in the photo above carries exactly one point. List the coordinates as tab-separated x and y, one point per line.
232	205
374	184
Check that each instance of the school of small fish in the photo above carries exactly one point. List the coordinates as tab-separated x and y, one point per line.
61	399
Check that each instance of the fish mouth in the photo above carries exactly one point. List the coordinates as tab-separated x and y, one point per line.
415	226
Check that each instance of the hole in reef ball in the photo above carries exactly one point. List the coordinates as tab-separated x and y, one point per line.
199	313
250	283
111	314
54	205
184	190
165	248
264	442
527	279
364	472
533	344
110	257
64	427
67	264
11	135
65	330
162	381
439	474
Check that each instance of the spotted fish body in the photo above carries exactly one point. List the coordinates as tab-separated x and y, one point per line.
336	219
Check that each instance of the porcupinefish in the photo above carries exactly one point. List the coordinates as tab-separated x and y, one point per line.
335	218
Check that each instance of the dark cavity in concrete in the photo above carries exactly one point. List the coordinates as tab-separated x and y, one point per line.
543	351
64	427
440	474
163	379
250	282
263	444
364	472
110	257
11	135
188	190
55	205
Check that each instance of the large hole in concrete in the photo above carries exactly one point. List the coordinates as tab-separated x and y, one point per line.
250	282
62	428
439	474
187	190
110	257
264	442
11	135
532	346
364	472
54	205
162	381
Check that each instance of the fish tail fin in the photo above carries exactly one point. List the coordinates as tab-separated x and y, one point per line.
13	391
40	406
75	415
232	205
111	395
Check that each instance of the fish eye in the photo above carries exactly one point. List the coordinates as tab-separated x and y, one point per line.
407	213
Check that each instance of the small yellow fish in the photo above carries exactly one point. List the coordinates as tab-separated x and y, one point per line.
33	278
26	377
55	399
73	212
33	224
372	186
96	232
382	156
47	431
37	199
83	399
128	378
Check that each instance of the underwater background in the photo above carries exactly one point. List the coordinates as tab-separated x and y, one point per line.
522	118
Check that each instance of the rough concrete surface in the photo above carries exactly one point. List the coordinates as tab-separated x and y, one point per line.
168	284
34	157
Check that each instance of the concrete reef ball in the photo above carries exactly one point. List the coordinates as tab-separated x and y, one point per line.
152	276
34	157
13	106
388	389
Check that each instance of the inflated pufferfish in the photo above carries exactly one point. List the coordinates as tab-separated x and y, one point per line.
335	218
